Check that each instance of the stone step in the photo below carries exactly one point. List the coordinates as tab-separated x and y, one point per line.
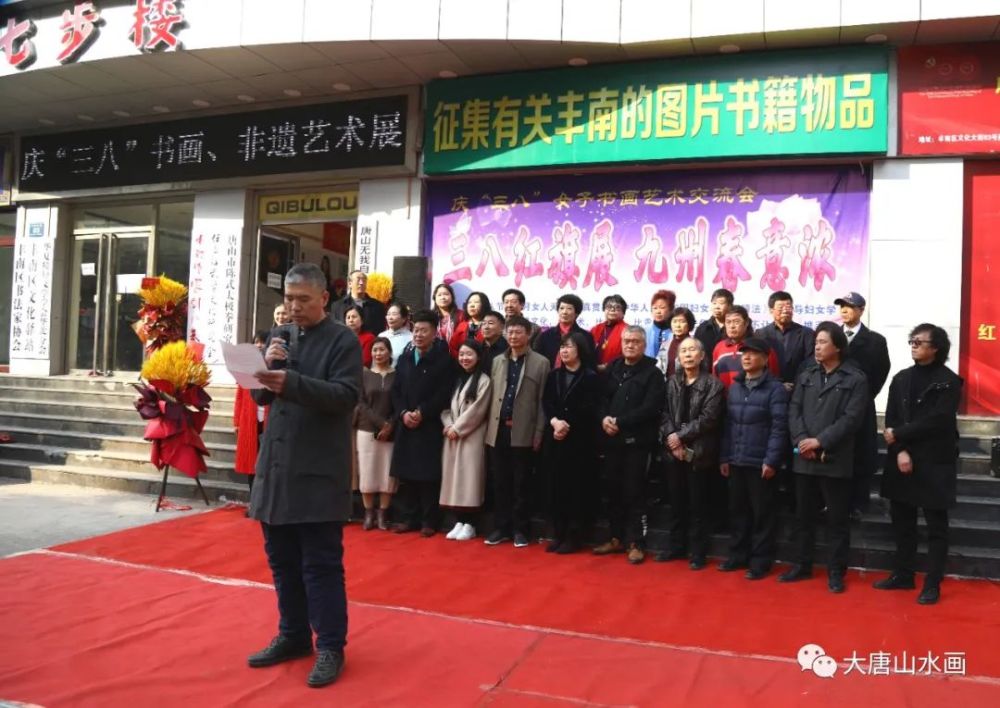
118	409
114	398
969	425
102	459
982	486
129	427
97	383
84	441
179	486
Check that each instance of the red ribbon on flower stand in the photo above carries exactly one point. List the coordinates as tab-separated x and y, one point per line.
174	430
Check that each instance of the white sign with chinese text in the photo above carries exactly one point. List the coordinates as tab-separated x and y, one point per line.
213	291
31	295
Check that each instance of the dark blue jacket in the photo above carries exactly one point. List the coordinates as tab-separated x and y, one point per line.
756	429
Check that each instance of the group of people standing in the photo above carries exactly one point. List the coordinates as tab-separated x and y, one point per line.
478	395
735	420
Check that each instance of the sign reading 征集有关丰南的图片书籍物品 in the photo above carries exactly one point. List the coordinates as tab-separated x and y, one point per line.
778	103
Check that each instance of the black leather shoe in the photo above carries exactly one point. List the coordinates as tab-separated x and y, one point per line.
664	556
553	546
795	573
755	574
929	595
836	583
280	649
896	581
731	564
327	668
697	563
567	547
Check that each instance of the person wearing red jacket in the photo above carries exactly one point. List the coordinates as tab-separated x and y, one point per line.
476	307
608	335
248	420
354	319
726	361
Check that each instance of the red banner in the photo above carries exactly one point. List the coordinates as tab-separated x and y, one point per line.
980	352
949	99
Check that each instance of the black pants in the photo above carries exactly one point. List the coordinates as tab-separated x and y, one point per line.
625	474
836	494
307	563
511	468
417	502
569	499
688	507
865	459
904	526
753	517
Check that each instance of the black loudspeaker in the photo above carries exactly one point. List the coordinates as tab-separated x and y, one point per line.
411	282
995	457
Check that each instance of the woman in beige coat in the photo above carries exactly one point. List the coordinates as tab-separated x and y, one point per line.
463	460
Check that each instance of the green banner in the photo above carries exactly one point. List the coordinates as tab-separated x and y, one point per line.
800	103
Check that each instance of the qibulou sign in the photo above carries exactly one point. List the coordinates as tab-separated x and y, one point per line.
327	206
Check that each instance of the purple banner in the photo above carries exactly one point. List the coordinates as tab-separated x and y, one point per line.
753	232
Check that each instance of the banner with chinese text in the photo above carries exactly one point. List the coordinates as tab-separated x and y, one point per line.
979	360
823	102
949	99
327	136
753	232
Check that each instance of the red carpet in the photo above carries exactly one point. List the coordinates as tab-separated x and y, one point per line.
541	631
659	602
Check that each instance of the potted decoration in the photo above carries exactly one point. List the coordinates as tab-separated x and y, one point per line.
380	287
163	315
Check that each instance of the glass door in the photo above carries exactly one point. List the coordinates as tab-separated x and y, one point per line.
108	268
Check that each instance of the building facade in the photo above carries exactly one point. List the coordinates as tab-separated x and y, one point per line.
612	146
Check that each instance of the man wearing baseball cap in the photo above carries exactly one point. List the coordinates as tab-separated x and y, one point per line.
868	351
754	439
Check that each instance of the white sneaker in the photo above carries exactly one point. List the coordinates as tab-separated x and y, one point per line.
467	533
453	534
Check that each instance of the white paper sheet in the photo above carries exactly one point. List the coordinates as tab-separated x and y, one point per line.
243	361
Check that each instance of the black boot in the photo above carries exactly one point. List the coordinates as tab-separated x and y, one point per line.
280	649
896	581
795	573
930	594
327	668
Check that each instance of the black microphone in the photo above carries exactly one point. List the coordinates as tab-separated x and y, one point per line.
286	333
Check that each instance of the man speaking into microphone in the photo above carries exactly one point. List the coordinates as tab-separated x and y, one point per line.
302	492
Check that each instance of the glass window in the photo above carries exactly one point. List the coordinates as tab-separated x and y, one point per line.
173	240
95	217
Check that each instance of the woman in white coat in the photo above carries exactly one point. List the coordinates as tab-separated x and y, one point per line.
463	460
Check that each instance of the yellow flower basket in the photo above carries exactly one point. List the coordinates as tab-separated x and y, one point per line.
162	291
380	287
177	364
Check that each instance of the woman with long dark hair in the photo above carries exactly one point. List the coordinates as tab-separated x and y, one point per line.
476	307
354	319
463	460
447	310
570	403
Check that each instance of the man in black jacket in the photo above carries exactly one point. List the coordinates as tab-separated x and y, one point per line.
372	311
425	374
868	351
634	392
921	466
828	405
302	496
713	330
792	342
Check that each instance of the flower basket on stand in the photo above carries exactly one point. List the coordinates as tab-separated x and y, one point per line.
172	397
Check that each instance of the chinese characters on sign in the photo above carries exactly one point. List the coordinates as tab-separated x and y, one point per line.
979	354
32	293
775	104
156	25
330	136
949	99
367	238
753	233
214	288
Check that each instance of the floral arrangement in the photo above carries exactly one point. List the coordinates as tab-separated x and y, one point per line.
380	287
172	398
163	315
